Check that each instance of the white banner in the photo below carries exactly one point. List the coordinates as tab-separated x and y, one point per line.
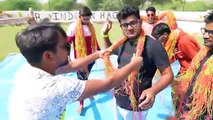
98	16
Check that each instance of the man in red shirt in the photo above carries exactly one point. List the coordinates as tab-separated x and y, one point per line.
178	44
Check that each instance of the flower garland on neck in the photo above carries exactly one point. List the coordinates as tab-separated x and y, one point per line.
132	77
170	44
202	93
81	48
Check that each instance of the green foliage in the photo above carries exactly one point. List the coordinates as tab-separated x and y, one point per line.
94	4
136	3
118	4
179	5
61	5
20	5
198	6
161	1
110	5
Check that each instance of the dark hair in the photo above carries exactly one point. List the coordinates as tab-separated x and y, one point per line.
151	9
85	11
37	38
209	18
160	29
128	11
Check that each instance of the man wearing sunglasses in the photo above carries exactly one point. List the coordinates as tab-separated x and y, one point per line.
151	19
82	34
136	94
194	88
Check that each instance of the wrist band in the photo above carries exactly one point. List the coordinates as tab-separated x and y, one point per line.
105	36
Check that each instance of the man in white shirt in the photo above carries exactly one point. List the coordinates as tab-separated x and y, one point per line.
81	34
40	94
150	20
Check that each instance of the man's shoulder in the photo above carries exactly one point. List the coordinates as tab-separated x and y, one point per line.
28	72
151	40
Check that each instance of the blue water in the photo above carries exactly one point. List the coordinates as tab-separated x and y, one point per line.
101	108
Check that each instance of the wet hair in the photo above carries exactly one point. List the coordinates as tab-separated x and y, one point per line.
151	8
209	18
128	11
160	29
85	11
36	39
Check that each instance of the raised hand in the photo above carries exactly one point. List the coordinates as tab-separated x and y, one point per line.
102	53
106	27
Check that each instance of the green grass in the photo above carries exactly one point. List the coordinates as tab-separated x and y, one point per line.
7	33
7	42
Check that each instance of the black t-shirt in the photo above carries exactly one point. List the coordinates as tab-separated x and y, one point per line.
154	56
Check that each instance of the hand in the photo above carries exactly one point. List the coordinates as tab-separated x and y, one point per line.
137	61
147	99
102	53
106	27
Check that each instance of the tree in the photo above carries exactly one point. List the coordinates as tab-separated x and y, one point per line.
94	4
117	4
109	5
20	5
61	5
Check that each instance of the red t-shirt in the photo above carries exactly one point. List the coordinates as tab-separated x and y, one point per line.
71	37
187	48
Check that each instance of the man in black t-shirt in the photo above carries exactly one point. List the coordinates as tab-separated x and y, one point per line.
154	57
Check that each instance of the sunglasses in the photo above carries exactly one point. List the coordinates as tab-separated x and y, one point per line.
204	31
150	15
132	24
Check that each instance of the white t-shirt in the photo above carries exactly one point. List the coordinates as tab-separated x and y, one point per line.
72	29
38	95
148	27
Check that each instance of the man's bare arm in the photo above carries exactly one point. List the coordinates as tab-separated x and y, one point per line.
97	86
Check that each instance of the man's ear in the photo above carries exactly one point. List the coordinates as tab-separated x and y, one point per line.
48	56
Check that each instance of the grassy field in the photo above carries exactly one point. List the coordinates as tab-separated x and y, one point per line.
7	42
8	45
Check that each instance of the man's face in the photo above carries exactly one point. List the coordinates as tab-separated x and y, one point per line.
208	35
151	17
85	19
62	52
131	27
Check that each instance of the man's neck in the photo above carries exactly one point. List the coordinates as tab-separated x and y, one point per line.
44	67
210	52
133	41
